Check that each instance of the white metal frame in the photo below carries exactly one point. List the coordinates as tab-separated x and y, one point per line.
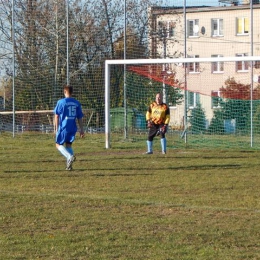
108	63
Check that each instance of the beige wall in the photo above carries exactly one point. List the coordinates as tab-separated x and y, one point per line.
206	45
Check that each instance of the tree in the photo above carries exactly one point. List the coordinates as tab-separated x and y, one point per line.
96	33
256	117
198	119
239	91
235	104
141	91
217	123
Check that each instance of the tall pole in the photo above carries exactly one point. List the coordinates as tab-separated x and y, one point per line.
67	11
125	95
57	55
13	40
252	68
185	74
164	65
107	104
4	96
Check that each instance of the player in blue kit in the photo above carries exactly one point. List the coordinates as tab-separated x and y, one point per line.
66	114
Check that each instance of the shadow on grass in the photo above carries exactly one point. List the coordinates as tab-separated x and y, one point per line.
195	167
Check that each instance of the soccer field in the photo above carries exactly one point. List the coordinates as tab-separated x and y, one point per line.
121	204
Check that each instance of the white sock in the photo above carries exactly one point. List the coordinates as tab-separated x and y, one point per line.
64	152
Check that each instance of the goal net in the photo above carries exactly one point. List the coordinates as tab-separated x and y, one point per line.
46	46
212	100
40	121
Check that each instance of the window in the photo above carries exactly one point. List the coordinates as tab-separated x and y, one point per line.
257	64
216	99
192	27
256	78
217	67
167	28
242	26
242	65
171	28
194	67
217	27
193	99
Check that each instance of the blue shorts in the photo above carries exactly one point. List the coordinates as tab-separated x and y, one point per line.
64	137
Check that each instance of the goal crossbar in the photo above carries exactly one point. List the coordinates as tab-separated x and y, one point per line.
108	64
180	60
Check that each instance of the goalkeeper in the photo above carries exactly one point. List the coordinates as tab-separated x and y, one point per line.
158	118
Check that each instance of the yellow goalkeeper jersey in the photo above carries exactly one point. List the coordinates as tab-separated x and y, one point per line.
158	114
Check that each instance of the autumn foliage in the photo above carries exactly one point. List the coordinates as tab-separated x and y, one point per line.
236	90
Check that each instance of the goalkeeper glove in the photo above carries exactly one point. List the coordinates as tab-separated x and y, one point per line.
149	123
163	129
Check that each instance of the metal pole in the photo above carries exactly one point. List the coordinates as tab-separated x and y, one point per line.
125	95
107	104
13	40
164	65
185	75
4	99
252	67
67	17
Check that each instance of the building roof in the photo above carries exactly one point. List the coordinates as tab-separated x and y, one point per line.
159	10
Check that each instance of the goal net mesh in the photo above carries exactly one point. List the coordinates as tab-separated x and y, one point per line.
207	107
46	44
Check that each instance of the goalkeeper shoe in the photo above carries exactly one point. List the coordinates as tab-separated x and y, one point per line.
149	153
70	162
163	152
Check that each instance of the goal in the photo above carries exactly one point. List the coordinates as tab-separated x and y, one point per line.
209	98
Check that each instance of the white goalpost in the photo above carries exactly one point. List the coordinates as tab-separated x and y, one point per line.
185	64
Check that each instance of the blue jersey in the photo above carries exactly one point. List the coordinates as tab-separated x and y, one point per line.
68	110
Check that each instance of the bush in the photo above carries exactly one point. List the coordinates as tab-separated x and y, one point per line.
198	120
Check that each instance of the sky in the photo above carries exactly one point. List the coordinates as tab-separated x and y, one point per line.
191	2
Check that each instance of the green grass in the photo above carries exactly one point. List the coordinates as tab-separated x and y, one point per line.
122	204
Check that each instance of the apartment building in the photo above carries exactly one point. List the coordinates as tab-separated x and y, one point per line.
223	31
